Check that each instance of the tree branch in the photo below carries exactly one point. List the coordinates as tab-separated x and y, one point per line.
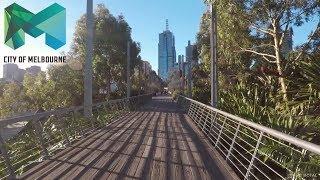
258	53
304	48
266	31
263	55
264	45
297	15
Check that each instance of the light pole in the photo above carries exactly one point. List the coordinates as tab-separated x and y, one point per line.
88	62
214	71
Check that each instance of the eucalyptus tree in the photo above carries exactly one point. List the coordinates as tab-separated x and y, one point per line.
232	33
270	21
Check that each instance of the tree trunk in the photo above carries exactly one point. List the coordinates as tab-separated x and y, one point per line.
277	48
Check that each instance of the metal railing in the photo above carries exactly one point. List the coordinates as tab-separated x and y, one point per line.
252	150
49	131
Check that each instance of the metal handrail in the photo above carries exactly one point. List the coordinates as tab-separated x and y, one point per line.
280	135
253	150
69	125
12	120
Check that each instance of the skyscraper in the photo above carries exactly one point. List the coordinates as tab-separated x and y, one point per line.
192	61
287	45
9	71
166	52
191	57
33	70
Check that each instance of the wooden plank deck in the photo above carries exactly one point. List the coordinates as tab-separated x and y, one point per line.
156	142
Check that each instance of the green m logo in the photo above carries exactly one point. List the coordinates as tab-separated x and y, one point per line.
51	21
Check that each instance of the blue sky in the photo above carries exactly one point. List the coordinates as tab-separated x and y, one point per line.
146	18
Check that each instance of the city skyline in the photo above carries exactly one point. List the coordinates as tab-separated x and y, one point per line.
12	73
185	24
136	13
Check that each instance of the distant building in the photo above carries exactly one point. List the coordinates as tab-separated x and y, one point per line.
9	71
33	70
19	75
180	61
191	61
146	67
12	73
166	53
191	56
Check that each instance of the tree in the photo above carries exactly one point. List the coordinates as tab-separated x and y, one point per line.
12	100
270	21
174	82
110	48
232	63
2	85
68	83
40	93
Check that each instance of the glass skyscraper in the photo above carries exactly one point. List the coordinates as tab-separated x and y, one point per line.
166	53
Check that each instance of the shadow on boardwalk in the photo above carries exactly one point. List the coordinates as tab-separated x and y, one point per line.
156	142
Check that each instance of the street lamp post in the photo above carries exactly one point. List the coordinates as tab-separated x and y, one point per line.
88	62
214	72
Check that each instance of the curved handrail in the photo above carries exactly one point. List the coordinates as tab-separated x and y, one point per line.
280	135
12	120
53	135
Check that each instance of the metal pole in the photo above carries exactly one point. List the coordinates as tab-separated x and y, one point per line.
88	63
214	72
128	71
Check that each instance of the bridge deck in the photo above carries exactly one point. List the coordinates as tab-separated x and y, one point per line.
156	142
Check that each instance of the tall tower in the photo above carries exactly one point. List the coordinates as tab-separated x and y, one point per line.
166	52
287	45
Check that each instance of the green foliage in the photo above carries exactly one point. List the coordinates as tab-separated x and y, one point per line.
68	83
305	87
201	84
62	85
38	91
12	100
110	51
251	84
174	82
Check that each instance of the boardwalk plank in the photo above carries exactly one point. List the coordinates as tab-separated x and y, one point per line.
155	142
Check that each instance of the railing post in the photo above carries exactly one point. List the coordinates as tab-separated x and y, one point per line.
38	129
233	141
5	154
191	111
253	156
213	119
220	132
205	119
62	124
185	105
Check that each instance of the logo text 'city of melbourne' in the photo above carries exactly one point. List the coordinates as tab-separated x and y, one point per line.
51	21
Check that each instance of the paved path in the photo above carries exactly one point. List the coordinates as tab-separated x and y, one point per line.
156	142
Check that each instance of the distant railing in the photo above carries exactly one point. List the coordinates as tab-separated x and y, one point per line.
252	150
49	131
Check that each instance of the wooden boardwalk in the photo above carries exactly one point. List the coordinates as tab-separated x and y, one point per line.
156	142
